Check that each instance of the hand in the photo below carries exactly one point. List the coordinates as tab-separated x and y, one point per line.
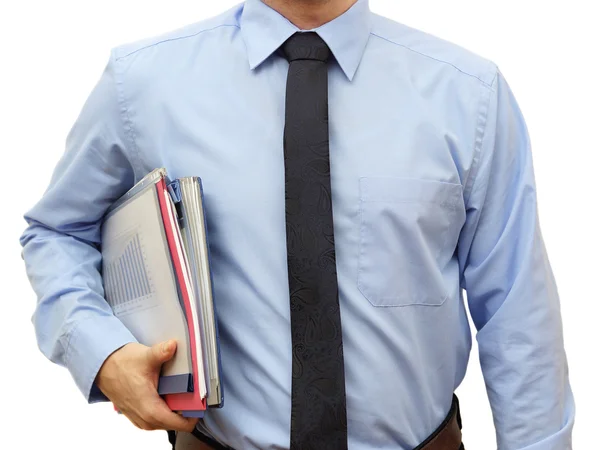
129	378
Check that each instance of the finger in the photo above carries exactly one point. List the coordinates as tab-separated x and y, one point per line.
161	353
164	418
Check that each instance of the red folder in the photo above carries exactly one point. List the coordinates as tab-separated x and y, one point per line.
192	401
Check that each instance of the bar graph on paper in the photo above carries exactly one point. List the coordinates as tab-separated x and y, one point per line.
127	283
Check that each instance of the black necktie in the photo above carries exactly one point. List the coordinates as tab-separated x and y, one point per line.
318	390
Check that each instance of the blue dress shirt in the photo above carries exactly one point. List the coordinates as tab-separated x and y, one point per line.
433	192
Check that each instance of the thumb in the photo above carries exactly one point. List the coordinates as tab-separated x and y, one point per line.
160	353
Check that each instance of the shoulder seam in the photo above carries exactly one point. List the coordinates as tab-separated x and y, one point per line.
489	85
126	119
482	122
175	39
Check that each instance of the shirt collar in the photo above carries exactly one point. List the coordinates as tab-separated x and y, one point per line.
264	30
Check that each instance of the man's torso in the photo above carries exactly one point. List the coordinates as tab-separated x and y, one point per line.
402	136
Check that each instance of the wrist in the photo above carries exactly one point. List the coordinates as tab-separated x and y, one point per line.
109	366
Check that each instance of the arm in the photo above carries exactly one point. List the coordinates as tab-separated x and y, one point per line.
511	290
74	325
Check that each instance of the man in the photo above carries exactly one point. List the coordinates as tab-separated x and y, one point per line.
358	175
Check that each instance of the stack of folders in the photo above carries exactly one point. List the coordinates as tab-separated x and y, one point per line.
157	280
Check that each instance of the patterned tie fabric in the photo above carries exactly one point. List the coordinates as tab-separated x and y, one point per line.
318	419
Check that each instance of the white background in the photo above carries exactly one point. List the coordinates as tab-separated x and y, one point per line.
53	52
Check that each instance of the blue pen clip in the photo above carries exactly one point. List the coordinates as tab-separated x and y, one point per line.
175	192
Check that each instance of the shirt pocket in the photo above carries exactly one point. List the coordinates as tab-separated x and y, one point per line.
404	248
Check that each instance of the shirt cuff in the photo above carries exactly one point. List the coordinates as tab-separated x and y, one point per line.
562	439
559	441
92	341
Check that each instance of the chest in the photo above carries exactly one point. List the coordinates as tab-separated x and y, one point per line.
227	127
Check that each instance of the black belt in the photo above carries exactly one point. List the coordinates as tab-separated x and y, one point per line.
447	436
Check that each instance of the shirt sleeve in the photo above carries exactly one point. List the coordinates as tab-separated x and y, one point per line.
511	290
74	324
